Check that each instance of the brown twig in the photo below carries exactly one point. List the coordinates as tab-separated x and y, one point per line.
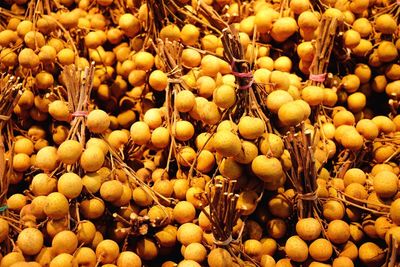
11	91
323	48
304	172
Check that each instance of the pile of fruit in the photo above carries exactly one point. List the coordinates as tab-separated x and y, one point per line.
199	133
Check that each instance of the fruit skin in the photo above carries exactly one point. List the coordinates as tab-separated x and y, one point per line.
370	254
92	159
267	169
98	121
385	184
308	229
291	114
296	249
27	236
321	249
338	231
395	211
251	128
57	206
219	257
69	151
107	251
227	143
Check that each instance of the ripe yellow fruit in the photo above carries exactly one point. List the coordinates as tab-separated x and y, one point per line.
230	169
63	259
4	230
385	184
313	95
42	185
66	56
283	28
291	114
143	60
158	80
248	152
250	127
21	162
92	208
170	32
98	121
210	113
385	124
65	242
30	241
352	140
210	65
356	102
160	137
296	249
227	143
129	24
184	212
205	161
205	86
46	158
219	257
342	261
107	251
184	101
385	24
343	117
16	202
338	232
308	229
129	259
140	133
371	254
70	185
387	51
351	38
356	190
267	169
276	99
224	96
153	118
44	80
28	59
247	202
210	42
111	190
394	211
183	130
137	77
367	128
321	249
195	252
299	6
57	206
85	256
263	20
8	57
59	110
189	233
69	151
92	159
189	34
186	156
354	175
283	63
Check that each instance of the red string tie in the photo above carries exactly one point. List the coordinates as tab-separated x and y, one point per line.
318	77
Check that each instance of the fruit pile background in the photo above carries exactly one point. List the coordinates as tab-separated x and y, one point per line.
199	133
